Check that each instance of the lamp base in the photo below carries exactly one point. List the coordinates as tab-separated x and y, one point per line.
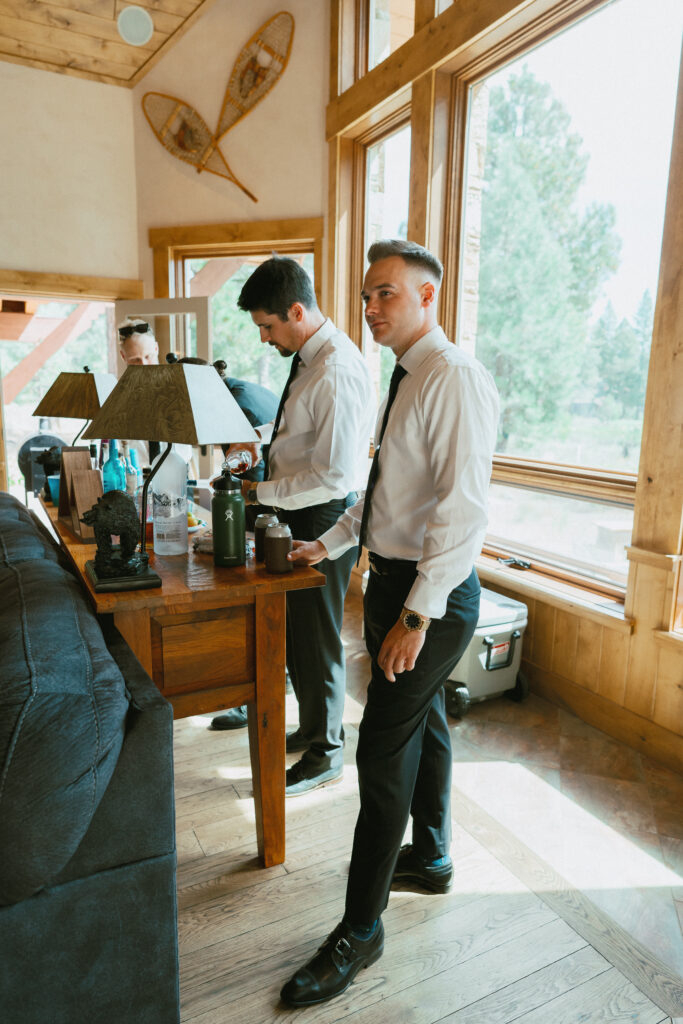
144	580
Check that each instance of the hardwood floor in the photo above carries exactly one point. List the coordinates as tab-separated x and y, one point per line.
515	940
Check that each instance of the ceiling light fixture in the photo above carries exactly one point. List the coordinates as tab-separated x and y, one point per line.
135	26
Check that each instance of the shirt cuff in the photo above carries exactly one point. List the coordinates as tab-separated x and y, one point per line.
265	492
337	541
430	600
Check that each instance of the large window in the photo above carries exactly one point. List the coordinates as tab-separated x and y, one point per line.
567	166
387	187
47	338
234	336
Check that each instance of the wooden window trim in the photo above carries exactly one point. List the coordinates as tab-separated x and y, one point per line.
548	570
172	245
568	596
572	481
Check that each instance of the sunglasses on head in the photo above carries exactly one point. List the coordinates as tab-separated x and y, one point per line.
125	332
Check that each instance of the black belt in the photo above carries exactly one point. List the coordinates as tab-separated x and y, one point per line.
385	566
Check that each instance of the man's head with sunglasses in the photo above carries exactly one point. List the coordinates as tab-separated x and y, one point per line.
138	345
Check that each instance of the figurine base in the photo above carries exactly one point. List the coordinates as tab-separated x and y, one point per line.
144	580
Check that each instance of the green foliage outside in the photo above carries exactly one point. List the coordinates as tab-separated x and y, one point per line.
572	390
236	339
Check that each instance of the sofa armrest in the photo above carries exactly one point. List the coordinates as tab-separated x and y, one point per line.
136	816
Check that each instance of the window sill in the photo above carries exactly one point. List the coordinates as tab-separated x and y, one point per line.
670	639
603	610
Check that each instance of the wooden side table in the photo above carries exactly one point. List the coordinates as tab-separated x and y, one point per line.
212	639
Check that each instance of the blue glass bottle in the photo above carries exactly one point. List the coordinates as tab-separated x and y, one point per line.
135	464
113	472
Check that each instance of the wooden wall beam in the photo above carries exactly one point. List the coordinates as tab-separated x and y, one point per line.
238	233
69	286
425	11
463	32
659	495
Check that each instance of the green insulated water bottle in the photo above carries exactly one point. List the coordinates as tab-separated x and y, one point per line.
227	519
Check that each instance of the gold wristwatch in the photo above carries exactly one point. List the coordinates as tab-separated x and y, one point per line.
414	622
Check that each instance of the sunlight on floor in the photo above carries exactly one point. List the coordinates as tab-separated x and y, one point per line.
580	847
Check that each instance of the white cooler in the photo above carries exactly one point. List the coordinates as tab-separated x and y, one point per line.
490	665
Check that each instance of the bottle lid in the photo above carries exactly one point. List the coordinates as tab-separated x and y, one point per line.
227	482
266	519
279	530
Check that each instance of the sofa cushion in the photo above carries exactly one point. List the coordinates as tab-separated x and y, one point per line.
20	539
63	705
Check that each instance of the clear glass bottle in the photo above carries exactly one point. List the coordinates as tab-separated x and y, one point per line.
113	473
238	462
129	470
169	505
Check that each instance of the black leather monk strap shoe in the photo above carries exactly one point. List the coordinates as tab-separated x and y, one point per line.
413	870
333	967
236	718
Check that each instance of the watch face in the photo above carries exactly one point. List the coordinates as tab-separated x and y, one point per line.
412	620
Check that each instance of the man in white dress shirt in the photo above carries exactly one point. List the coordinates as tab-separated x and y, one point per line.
423	519
316	463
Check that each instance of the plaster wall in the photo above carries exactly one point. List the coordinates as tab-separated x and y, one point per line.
278	150
67	168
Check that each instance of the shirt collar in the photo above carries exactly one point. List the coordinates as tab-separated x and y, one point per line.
433	341
312	346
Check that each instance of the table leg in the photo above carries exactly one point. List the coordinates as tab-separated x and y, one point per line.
267	728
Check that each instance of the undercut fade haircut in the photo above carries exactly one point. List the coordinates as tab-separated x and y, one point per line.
275	286
412	254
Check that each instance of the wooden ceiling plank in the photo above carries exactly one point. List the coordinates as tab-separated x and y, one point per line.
164	21
73	21
60	69
72	43
62	60
98	8
166	18
183	8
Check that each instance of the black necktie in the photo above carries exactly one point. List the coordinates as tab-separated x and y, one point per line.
292	374
396	378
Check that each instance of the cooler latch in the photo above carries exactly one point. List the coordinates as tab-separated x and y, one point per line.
491	652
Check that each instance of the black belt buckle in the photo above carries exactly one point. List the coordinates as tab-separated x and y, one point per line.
375	565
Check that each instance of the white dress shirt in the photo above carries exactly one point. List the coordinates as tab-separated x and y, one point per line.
429	504
320	451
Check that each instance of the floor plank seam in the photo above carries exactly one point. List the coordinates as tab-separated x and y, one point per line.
654	979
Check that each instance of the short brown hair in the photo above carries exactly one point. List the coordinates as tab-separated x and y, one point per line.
410	252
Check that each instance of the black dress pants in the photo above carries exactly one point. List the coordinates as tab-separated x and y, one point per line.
315	654
404	753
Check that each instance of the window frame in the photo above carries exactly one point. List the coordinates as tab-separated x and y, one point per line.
599	484
433	72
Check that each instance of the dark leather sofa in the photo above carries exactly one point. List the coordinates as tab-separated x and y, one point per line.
88	931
